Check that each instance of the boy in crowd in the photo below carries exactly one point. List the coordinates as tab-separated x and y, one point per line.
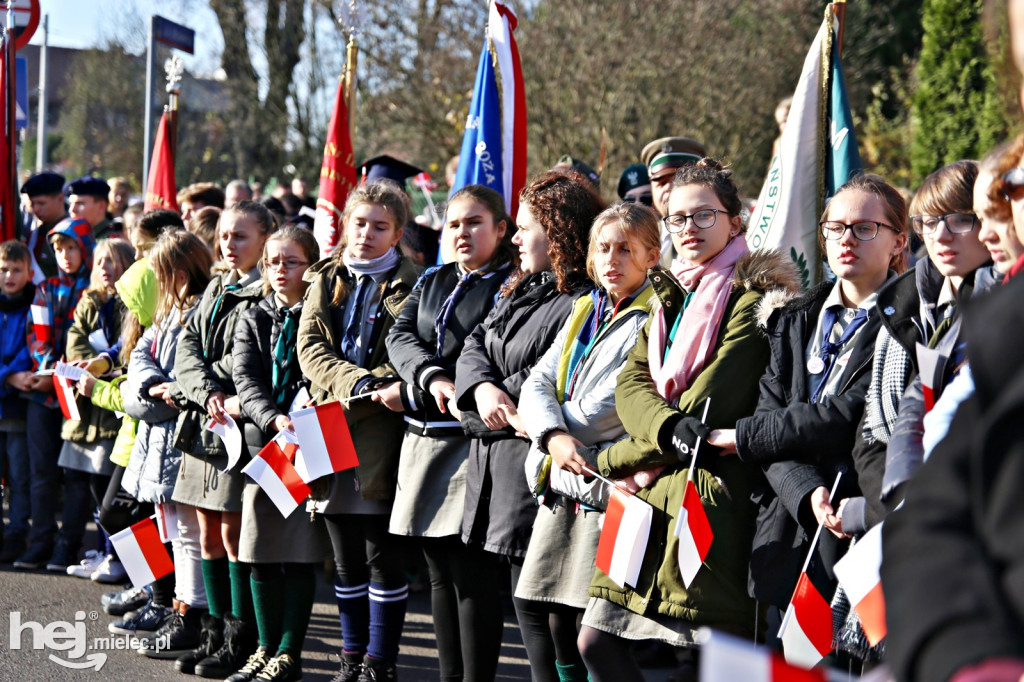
53	311
16	295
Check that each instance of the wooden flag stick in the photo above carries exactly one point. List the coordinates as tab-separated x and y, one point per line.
693	459
346	401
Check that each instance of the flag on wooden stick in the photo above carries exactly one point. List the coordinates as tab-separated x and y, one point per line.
859	574
274	471
161	188
142	553
337	176
325	444
624	535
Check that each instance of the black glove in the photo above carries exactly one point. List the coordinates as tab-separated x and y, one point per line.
680	435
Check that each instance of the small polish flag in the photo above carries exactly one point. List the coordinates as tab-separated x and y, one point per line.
167	521
142	553
724	658
806	630
627	525
694	533
66	398
273	471
859	573
929	361
325	444
42	323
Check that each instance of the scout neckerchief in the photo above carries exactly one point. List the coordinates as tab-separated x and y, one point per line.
830	351
284	353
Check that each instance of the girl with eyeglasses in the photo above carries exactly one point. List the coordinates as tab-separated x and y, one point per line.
282	552
812	395
353	301
701	342
424	345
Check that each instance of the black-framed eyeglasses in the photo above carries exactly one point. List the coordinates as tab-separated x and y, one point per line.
956	223
864	231
1013	184
703	219
645	198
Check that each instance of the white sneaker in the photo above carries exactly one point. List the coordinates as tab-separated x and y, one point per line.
109	570
86	567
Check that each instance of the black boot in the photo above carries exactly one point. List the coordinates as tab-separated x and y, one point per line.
239	643
178	636
211	638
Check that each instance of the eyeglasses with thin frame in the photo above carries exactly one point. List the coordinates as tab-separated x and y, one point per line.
704	219
289	264
864	230
956	223
1013	184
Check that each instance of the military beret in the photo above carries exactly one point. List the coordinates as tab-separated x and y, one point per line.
43	183
88	186
634	176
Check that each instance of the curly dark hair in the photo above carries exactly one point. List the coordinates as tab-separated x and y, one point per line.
565	203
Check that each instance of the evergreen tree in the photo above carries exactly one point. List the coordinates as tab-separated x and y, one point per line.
957	111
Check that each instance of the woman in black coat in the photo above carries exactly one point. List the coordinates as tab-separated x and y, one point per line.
553	224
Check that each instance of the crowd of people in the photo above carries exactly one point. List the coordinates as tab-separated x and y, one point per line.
497	401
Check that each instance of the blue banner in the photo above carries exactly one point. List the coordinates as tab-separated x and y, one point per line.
480	160
843	156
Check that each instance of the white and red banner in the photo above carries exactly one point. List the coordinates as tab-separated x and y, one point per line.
806	630
167	521
624	534
325	444
231	435
859	573
725	658
929	362
274	472
142	553
337	175
694	533
42	323
66	397
161	190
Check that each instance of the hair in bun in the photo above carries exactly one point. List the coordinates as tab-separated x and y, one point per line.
711	173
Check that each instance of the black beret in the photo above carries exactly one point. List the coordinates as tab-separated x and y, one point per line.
43	183
88	186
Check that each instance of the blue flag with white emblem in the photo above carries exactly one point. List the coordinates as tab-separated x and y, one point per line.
480	160
843	156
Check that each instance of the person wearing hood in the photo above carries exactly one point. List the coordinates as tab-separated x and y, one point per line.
53	311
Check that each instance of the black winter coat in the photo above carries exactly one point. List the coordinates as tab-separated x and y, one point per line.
801	446
953	567
500	508
412	341
255	337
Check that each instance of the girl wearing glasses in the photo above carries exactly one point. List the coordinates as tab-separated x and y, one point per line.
812	395
702	341
354	299
556	211
424	345
282	552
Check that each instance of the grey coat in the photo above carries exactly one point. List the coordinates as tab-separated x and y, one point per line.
154	463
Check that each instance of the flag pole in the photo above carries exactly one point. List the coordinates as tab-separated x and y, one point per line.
839	7
693	459
351	62
174	68
10	230
810	551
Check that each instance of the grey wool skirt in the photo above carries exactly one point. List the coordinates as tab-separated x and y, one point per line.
203	483
559	561
269	538
431	494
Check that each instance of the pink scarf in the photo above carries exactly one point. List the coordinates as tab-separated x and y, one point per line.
697	334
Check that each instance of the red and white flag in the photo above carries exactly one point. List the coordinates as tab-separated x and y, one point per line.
42	323
859	573
337	176
66	397
142	553
627	525
273	471
806	630
161	190
694	533
325	444
167	521
724	658
929	361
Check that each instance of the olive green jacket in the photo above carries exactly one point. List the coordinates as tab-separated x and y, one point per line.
96	423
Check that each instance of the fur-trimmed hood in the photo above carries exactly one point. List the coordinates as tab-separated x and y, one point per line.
772	273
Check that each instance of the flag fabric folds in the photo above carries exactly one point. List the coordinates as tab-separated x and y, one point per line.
274	472
42	323
859	573
494	145
66	397
325	444
167	521
725	658
142	553
694	533
624	535
161	189
806	630
818	154
929	362
337	176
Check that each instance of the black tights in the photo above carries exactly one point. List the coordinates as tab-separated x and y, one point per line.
549	632
607	657
467	609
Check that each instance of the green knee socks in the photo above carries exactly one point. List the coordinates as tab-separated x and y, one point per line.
241	591
217	581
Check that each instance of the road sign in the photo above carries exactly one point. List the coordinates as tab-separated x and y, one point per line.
26	20
21	97
175	35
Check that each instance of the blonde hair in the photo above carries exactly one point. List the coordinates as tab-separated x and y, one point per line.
636	222
121	252
179	250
